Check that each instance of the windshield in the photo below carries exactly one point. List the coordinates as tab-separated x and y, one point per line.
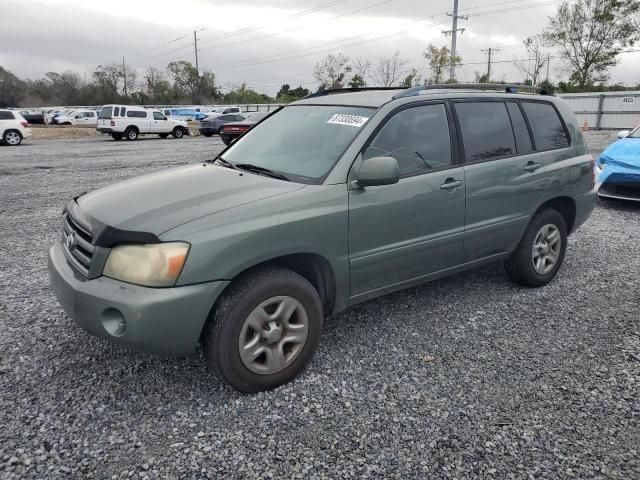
302	142
634	133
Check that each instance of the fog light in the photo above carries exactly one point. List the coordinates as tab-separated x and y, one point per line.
113	322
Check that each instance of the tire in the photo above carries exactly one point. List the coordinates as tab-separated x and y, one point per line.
226	139
230	323
13	138
207	134
163	135
538	257
178	132
131	134
117	136
220	128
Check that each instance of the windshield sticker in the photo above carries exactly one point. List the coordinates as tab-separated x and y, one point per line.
351	120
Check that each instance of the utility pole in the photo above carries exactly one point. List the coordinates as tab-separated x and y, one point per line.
454	33
195	43
490	53
124	76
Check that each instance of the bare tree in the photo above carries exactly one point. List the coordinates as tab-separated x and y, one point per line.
334	71
387	72
532	67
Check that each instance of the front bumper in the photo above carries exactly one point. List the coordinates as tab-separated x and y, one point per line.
158	320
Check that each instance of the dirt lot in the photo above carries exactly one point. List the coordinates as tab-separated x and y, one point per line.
74	132
466	377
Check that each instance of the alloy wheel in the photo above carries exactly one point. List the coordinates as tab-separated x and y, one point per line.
546	249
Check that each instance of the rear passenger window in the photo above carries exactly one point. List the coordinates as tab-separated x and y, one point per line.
486	130
546	126
123	111
136	114
116	111
520	130
418	137
6	115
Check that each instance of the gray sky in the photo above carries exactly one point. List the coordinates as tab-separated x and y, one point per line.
270	42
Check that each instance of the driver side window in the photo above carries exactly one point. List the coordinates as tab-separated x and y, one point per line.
418	137
158	116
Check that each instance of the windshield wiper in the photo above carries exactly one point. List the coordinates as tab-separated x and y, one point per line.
221	161
261	171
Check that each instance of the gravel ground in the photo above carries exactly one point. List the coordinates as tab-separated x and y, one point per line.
466	377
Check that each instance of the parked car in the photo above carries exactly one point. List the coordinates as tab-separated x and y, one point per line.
13	128
34	117
225	110
78	117
233	130
214	123
618	168
333	200
127	121
49	117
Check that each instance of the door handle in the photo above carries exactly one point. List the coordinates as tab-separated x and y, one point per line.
532	166
450	184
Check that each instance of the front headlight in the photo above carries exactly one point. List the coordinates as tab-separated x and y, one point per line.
153	265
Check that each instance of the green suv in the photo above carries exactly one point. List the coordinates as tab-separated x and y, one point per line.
330	201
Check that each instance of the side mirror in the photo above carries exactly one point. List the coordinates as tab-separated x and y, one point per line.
623	133
378	171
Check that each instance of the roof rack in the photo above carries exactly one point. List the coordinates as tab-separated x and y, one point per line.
333	91
505	87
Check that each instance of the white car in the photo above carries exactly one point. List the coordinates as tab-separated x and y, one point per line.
78	117
127	121
13	128
48	116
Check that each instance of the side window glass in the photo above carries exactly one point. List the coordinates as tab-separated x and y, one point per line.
158	116
546	126
417	137
486	130
123	110
523	140
116	112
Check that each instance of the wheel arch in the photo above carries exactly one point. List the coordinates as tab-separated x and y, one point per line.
564	205
315	268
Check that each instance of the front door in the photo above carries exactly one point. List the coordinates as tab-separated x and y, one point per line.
159	123
403	233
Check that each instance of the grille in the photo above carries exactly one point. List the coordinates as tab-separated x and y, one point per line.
628	190
76	242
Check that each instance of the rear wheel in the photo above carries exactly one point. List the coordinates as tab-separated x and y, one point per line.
12	138
207	134
131	133
226	139
116	136
264	329
163	135
541	251
178	132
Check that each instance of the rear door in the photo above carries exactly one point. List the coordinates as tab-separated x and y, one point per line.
401	234
504	176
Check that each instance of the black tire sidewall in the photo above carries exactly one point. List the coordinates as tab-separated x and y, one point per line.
178	132
127	134
221	346
4	138
520	266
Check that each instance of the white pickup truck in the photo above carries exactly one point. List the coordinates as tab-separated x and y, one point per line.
126	121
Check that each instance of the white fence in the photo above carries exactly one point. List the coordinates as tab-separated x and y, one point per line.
606	110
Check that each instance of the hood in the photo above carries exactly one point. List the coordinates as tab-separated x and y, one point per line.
160	201
624	152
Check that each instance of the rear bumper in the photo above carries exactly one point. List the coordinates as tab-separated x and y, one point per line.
204	130
26	133
158	320
104	129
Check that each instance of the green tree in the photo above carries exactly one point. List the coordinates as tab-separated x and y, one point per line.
157	87
590	34
244	94
481	78
287	95
439	61
12	89
188	84
411	80
108	80
357	81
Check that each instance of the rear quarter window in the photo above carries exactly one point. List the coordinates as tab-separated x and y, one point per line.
6	115
547	128
136	114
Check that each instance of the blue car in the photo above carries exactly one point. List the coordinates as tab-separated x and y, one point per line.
184	113
618	168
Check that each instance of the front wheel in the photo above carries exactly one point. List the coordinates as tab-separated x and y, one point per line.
178	132
12	138
540	253
264	329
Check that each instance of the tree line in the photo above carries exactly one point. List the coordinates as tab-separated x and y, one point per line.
584	39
